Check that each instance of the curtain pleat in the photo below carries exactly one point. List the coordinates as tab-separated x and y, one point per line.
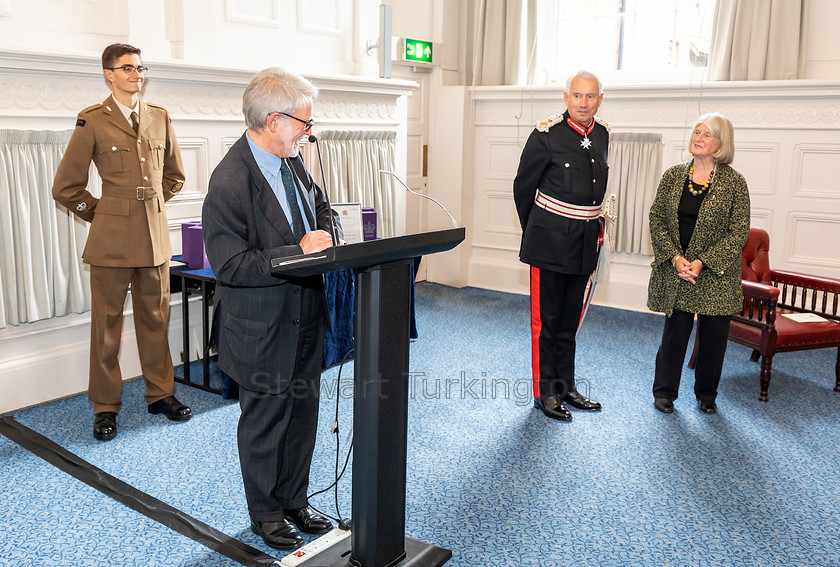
40	243
759	40
352	160
506	42
635	168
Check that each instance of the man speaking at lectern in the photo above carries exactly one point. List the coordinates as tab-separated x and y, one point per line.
262	204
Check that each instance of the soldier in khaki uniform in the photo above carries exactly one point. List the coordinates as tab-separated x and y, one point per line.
136	154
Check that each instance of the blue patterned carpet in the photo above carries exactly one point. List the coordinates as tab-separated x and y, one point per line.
488	476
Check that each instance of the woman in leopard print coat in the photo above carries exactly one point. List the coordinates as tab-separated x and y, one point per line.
699	223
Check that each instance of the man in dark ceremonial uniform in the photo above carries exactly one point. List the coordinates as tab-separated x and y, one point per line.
558	190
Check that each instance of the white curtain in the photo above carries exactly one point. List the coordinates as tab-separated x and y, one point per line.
506	42
635	169
352	160
759	40
40	243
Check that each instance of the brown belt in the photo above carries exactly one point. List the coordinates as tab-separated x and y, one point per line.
139	193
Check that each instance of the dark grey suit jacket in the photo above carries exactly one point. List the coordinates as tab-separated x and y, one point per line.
244	226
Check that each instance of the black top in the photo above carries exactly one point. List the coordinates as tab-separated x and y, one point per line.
687	213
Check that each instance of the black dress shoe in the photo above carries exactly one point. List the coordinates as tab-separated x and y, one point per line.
664	405
576	400
553	408
279	535
171	408
105	426
707	407
308	520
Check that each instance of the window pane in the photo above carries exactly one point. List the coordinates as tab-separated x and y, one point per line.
648	36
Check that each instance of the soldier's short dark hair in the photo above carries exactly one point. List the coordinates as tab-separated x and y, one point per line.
116	50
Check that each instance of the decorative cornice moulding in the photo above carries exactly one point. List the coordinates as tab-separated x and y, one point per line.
760	104
59	84
716	90
334	107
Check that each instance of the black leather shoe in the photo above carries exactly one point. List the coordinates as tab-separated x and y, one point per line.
279	535
577	400
308	520
707	407
664	405
171	408
105	426
553	408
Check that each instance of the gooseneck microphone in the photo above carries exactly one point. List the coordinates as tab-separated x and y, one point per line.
432	199
333	234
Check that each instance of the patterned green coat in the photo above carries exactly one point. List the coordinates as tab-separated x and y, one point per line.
723	224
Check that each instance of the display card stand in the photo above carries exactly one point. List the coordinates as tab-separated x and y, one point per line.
383	271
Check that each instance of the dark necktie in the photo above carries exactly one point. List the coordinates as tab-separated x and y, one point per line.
134	122
291	196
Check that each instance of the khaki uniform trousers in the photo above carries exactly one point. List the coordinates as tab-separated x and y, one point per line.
150	300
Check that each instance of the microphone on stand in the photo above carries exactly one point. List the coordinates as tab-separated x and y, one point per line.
333	234
432	199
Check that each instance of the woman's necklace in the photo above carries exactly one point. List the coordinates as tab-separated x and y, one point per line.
695	188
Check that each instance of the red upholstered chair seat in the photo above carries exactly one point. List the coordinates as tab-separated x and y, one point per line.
770	294
791	335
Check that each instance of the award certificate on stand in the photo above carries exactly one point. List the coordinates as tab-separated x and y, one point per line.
351	221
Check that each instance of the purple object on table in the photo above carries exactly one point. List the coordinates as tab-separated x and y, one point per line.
192	246
368	223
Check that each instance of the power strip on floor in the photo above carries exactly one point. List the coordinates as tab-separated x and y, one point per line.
314	547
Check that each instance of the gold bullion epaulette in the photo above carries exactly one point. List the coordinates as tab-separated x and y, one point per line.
603	122
544	125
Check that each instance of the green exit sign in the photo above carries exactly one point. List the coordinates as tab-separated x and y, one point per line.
416	50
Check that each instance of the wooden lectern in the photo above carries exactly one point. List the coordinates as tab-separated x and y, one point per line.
383	271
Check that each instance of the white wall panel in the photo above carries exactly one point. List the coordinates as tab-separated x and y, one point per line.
812	241
194	154
758	163
501	214
320	17
762	218
815	168
257	12
227	143
414	155
503	159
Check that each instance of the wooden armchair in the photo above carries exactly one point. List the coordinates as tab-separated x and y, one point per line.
769	297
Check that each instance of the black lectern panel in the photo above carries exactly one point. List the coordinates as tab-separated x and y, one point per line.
380	407
370	253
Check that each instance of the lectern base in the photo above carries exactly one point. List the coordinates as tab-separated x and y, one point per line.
417	554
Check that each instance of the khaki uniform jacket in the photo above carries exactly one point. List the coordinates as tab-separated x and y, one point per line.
723	225
139	172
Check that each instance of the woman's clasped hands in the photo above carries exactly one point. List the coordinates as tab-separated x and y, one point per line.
688	271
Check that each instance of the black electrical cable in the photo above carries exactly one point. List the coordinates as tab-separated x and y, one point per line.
339	519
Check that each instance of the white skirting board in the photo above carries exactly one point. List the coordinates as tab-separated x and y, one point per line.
52	361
